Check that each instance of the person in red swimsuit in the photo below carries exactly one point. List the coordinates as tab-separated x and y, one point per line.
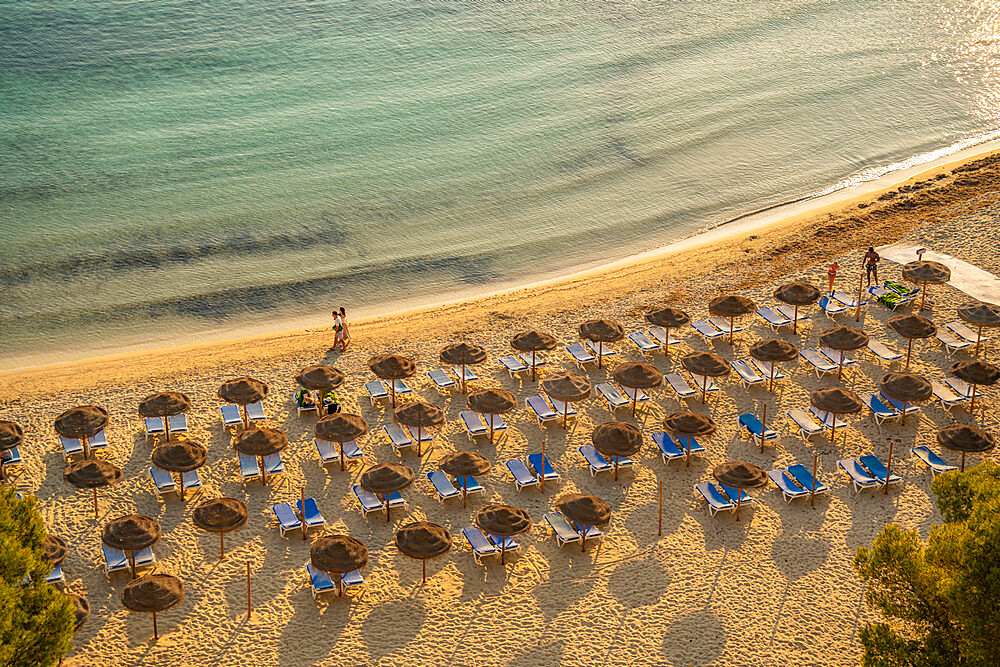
831	273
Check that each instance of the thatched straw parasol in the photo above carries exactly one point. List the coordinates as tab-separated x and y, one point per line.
739	475
585	510
534	342
11	436
464	465
338	555
668	318
386	478
81	611
462	355
320	379
601	332
797	295
392	367
843	339
91	474
261	442
220	515
180	457
616	439
966	439
772	351
636	376
980	315
730	307
419	415
165	404
504	521
153	593
705	365
567	388
926	273
243	391
911	326
906	387
687	425
423	540
82	422
340	427
836	401
492	402
975	373
131	533
55	549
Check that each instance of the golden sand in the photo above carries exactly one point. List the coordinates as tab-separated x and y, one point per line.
775	587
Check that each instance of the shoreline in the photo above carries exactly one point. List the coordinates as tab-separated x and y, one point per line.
794	214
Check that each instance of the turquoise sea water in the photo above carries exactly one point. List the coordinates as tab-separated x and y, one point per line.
177	168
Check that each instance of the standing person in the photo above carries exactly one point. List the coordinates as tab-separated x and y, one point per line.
871	265
346	333
831	273
338	329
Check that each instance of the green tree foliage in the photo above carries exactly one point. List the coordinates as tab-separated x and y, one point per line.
941	600
36	620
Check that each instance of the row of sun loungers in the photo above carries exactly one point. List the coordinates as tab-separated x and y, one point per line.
866	472
74	446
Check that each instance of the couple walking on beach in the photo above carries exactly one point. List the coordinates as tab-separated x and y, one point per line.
870	262
342	336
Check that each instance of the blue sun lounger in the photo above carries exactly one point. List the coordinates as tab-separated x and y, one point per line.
472	486
789	489
960	387
707	331
562	408
643	342
804	477
659	336
561	529
11	457
469	375
328	452
319	581
898	405
748	424
310	512
443	488
541	409
474	425
581	356
70	446
858	475
671	449
514	365
508	544
877	470
154	426
191	481
522	476
441	380
230	415
273	464
716	501
541	466
682	390
56	576
481	547
773	319
285	515
369	501
965	333
737	495
162	480
723	325
881	413
248	466
934	463
831	307
595	461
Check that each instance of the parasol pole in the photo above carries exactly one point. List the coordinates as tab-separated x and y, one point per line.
635	399
503	548
795	322
903	418
763	426
923	297
131	560
465	490
532	365
263	471
840	369
972	402
385	499
659	525
739	500
542	473
181	485
583	539
770	387
302	511
155	635
463	379
222	546
423	579
95	503
812	492
246	417
888	472
248	590
340	584
341	445
565	414
490	415
909	347
704	388
979	338
392	392
731	321
418	441
833	429
861	277
600	354
86	448
616	468
666	341
166	428
687	459
963	462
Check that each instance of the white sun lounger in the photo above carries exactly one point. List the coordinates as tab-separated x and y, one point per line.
898	405
933	462
541	409
114	559
860	479
835	356
56	576
831	307
163	480
960	387
605	350
613	397
441	380
230	415
723	325
248	466
804	422
764	369
789	489
273	464
789	312
328	452
707	331
522	476
682	390
820	364
560	407
702	382
948	398
847	300
443	488
178	423
255	412
581	356
376	391
961	330
716	501
481	547
773	319
659	336
191	481
70	446
399	437
98	441
951	343
827	419
369	501
154	426
474	425
514	365
747	375
643	342
285	515
561	529
470	376
525	357
883	353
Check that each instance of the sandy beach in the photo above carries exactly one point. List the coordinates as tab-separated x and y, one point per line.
775	587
